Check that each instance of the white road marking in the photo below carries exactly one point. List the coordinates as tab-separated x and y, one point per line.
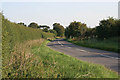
83	50
99	54
69	47
60	43
89	52
109	56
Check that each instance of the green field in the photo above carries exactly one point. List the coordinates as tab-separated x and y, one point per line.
110	44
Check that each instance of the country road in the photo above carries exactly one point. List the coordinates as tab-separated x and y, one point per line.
106	58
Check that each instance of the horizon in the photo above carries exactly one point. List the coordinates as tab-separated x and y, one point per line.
64	13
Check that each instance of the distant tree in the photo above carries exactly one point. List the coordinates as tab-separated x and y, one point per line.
107	28
33	25
53	31
67	32
48	27
44	26
76	29
88	33
22	24
45	30
115	30
59	29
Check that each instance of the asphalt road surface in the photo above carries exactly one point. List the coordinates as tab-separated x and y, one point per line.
106	58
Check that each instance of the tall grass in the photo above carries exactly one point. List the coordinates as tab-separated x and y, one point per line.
21	62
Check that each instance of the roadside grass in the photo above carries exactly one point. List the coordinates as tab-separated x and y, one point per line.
110	44
33	59
59	65
19	64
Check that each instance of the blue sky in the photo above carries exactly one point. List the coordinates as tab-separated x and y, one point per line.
47	13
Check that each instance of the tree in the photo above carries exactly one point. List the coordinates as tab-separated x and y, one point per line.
46	30
33	25
44	26
76	29
22	24
67	32
53	31
107	28
116	28
88	33
59	29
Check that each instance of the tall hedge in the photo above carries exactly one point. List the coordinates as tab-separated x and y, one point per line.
13	33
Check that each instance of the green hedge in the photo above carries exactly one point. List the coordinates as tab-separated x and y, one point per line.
13	33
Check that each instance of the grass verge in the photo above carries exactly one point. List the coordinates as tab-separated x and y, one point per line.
59	65
108	44
33	59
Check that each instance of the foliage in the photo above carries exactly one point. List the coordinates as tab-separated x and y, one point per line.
90	33
53	31
67	32
106	29
98	37
13	33
76	29
44	26
59	29
33	25
23	24
46	30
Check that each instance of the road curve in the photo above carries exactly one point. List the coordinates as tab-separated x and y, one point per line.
106	58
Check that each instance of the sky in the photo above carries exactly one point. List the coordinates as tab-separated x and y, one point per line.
47	13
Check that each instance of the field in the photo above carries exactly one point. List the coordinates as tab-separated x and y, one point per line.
110	44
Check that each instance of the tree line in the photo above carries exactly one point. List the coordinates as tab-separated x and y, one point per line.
107	28
76	30
58	29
